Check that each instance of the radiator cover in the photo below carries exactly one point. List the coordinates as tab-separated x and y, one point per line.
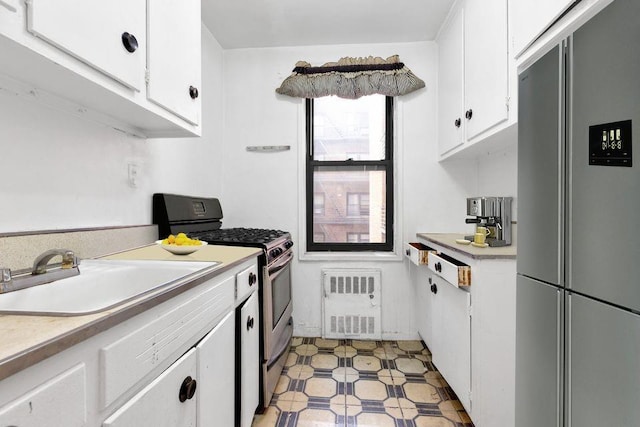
351	304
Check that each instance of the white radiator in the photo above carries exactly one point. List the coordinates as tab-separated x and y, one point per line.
351	304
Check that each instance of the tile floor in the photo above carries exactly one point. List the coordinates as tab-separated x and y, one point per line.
347	383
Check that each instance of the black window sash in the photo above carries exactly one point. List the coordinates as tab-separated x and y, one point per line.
385	164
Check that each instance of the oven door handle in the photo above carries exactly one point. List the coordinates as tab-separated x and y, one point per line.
282	263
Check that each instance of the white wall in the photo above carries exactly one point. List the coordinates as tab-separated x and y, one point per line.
433	194
61	171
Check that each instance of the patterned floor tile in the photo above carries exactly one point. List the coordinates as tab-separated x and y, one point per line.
355	383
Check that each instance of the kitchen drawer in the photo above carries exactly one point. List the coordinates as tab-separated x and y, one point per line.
418	253
450	269
128	360
246	282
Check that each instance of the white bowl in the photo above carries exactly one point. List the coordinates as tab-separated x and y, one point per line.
181	250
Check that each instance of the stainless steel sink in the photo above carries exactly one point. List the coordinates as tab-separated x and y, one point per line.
101	284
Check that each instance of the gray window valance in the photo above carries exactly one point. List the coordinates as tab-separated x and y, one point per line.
351	78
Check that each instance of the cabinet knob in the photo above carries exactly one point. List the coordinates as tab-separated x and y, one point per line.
249	322
469	114
434	288
193	92
458	122
129	42
408	252
253	278
187	389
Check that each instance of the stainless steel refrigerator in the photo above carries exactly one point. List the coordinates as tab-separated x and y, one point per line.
578	284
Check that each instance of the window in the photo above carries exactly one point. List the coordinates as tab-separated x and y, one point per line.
318	203
358	204
349	174
357	238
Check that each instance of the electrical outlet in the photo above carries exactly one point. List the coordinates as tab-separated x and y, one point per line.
133	175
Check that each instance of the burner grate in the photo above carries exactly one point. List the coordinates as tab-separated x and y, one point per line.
241	235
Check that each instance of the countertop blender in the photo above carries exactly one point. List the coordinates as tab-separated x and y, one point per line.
494	213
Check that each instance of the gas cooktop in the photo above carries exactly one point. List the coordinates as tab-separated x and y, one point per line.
242	235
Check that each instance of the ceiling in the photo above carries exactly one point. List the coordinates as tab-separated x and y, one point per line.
270	23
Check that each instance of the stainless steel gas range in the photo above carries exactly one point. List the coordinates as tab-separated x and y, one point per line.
202	218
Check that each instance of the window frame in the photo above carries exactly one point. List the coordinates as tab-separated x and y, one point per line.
387	164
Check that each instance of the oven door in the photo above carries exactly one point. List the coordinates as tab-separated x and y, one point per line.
277	307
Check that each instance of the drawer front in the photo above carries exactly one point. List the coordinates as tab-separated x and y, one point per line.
246	282
125	362
453	271
418	253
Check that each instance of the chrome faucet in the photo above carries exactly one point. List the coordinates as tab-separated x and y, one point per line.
39	274
69	260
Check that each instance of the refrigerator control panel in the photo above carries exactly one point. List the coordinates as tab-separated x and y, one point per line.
610	144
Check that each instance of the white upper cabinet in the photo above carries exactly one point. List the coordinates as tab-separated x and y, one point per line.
473	75
174	56
108	35
451	84
486	65
531	18
133	65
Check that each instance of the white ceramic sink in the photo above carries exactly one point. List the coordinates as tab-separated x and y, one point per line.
100	285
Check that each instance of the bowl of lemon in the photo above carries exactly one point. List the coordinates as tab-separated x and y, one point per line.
181	244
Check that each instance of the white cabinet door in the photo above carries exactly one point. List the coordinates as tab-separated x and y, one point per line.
423	309
174	56
159	404
44	405
96	32
450	84
216	376
452	338
486	65
530	18
249	325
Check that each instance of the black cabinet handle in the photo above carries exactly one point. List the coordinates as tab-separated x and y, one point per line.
438	267
250	321
193	92
408	252
469	114
129	42
434	288
458	122
253	278
187	389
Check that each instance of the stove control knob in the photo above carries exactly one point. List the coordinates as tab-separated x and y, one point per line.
288	244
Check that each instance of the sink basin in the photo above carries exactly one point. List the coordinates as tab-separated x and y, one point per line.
100	285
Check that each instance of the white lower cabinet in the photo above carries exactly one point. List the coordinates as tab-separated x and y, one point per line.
423	309
216	382
249	325
470	332
170	400
451	336
42	406
171	365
